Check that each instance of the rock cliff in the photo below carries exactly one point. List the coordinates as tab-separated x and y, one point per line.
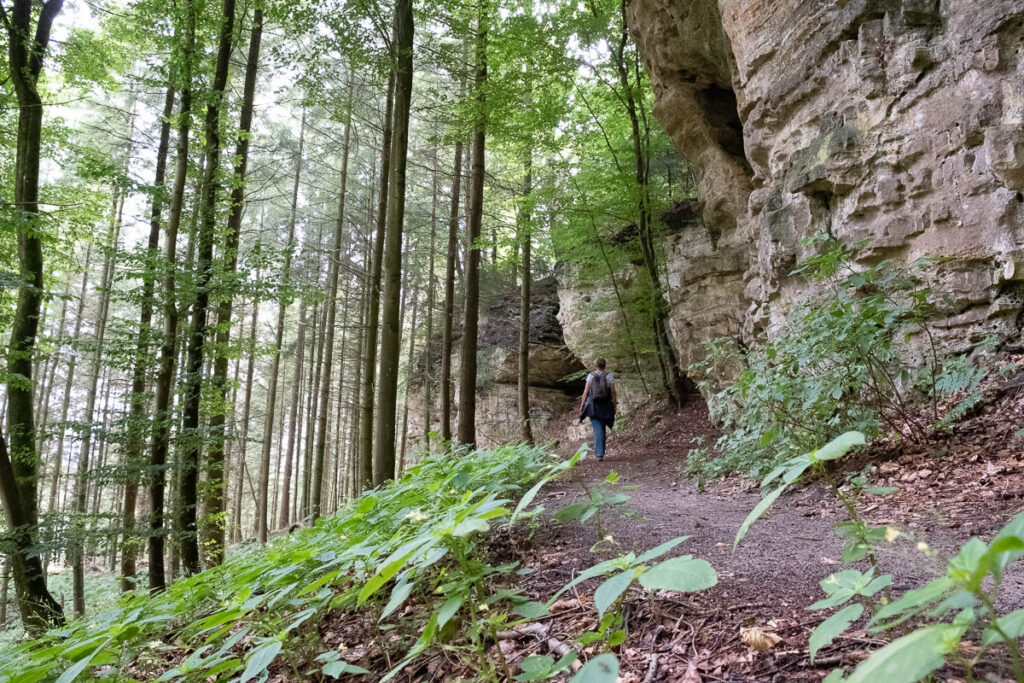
901	121
555	373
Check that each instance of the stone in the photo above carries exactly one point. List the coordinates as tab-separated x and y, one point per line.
896	120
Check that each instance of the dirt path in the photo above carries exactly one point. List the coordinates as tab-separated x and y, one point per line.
767	582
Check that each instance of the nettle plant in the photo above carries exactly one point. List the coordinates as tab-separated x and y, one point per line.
410	554
684	574
600	500
957	604
843	361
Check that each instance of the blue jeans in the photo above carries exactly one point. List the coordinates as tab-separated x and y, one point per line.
599	436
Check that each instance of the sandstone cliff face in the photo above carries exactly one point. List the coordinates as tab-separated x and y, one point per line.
553	390
896	120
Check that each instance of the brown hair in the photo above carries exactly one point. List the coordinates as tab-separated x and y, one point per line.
600	363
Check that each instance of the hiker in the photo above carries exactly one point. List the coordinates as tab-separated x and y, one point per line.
599	403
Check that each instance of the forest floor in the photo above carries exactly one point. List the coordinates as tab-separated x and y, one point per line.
967	483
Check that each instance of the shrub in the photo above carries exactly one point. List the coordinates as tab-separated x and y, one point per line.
420	537
844	361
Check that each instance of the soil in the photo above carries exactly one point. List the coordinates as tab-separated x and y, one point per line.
957	485
967	483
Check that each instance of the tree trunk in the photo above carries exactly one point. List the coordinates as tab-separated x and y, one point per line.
412	360
69	381
19	469
357	479
169	342
243	446
319	321
391	333
300	347
192	436
526	237
431	296
373	312
137	418
216	485
449	299
331	304
275	367
467	395
77	540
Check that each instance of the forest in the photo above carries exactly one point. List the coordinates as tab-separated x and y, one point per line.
298	302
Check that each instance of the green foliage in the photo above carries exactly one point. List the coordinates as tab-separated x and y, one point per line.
684	574
598	499
963	598
843	362
419	536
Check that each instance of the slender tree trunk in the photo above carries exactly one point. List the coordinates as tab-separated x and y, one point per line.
319	319
449	299
405	406
391	333
169	342
50	374
69	382
526	237
77	540
137	417
366	456
19	468
275	366
243	447
300	347
428	386
467	395
3	593
192	446
216	484
331	304
357	479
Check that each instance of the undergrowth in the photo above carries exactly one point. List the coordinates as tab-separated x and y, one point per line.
416	543
859	356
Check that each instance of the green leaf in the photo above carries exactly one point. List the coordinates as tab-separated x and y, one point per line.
1012	625
75	670
1015	527
840	446
470	526
527	498
756	513
572	512
531	610
831	628
601	669
910	658
260	658
660	550
399	594
684	574
337	668
913	601
449	608
609	591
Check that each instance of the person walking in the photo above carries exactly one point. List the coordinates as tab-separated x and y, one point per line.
599	403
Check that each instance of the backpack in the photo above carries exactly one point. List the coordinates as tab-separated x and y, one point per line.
599	386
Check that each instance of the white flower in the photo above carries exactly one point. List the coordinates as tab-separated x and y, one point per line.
416	516
891	534
608	537
482	607
923	547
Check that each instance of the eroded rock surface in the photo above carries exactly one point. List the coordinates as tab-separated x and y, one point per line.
555	372
901	121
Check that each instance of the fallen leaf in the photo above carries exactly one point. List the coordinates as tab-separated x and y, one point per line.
762	641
